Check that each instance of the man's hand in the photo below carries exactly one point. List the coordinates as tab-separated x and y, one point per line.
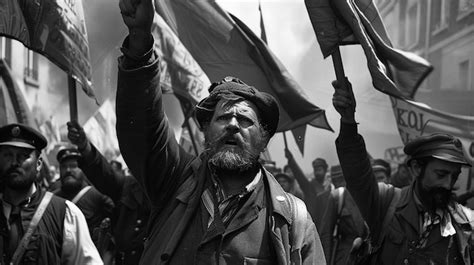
344	101
138	17
77	136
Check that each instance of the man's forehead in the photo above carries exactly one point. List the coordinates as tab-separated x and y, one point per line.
224	106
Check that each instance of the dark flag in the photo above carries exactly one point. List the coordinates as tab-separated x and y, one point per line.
341	22
53	28
223	46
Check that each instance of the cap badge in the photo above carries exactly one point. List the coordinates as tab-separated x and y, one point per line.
16	131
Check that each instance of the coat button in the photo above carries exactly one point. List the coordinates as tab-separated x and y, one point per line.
405	261
136	229
139	221
165	257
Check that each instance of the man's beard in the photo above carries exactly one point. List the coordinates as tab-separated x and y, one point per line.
435	198
16	178
238	159
71	184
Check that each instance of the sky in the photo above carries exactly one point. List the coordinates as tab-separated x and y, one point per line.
291	37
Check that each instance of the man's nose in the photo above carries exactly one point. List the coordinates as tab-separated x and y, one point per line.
233	125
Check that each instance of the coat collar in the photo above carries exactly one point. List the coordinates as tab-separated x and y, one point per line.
278	197
406	207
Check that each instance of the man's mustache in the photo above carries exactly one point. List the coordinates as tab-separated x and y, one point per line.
15	170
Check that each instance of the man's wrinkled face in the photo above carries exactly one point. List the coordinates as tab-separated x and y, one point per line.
234	137
319	173
18	167
437	182
71	175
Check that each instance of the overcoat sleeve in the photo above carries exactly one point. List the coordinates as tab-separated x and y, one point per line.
146	141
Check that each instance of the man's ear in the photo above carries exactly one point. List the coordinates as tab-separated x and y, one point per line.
415	168
39	164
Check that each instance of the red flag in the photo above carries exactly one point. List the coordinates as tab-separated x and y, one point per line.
340	22
223	46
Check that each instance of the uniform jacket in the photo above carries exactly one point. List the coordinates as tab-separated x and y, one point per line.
174	180
374	199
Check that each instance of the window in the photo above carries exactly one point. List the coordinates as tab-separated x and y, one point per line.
464	75
440	15
412	24
31	68
465	7
6	50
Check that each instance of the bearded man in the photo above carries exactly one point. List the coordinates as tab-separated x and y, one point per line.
222	207
419	224
75	187
36	226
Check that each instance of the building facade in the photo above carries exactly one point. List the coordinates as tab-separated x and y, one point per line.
442	31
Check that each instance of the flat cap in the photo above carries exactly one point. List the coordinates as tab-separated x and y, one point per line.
21	135
380	164
441	146
320	162
229	88
69	152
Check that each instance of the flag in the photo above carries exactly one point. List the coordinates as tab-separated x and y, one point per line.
416	119
54	28
224	46
180	74
341	22
100	130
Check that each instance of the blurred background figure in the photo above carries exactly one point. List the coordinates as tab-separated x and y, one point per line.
382	170
402	176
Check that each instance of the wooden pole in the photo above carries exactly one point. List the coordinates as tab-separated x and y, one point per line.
285	140
339	67
72	98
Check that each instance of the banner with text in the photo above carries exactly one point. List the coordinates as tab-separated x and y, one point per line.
416	119
54	28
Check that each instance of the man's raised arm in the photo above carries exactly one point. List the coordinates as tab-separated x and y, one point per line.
146	141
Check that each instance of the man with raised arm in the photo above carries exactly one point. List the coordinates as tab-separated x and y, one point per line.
421	223
222	207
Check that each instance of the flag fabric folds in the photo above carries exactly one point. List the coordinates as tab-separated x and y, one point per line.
342	22
53	28
224	46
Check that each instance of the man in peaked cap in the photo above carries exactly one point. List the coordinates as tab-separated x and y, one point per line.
418	224
222	207
74	187
60	235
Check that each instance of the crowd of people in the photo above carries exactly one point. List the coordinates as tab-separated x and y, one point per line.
225	206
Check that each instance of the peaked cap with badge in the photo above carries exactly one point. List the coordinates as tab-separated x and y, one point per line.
21	135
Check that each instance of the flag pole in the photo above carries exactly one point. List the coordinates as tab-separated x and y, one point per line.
338	67
72	98
285	140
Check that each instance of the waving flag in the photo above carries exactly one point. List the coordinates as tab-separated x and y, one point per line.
53	28
341	22
224	46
